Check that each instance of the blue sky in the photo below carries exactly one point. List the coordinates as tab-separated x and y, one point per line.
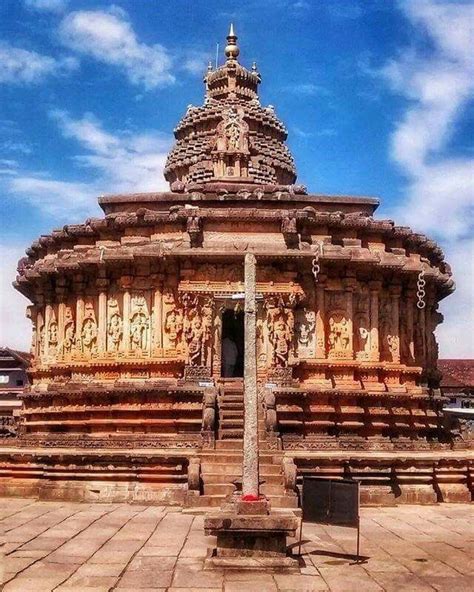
377	97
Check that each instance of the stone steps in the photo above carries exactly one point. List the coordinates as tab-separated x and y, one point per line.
227	468
215	478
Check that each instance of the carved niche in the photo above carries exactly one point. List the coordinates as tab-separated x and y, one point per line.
389	339
230	150
281	327
52	335
69	341
362	325
305	334
114	325
197	328
139	323
173	320
89	332
339	326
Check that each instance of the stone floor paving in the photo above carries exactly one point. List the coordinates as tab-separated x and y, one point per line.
103	547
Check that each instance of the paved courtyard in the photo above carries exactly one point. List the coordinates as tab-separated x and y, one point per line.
101	547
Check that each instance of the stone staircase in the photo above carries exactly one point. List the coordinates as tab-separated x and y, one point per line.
231	410
223	465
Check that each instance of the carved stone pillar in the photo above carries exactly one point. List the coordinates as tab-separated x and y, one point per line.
126	321
102	321
395	292
349	286
408	322
157	315
61	317
47	320
374	321
320	320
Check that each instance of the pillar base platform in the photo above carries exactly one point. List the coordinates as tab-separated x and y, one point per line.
250	540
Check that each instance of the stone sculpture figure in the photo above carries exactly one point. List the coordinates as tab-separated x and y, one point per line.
53	337
69	332
89	335
139	324
115	332
305	333
194	336
339	334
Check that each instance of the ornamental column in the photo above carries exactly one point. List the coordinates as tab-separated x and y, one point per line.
102	311
250	477
349	285
126	284
157	314
395	291
409	325
320	319
374	320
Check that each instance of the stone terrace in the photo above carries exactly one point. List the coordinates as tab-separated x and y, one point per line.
101	547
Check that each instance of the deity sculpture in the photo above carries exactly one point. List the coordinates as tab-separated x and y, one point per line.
89	335
305	333
53	337
115	332
339	334
195	338
69	332
281	336
139	324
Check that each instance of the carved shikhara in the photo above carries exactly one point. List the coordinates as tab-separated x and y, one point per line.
127	310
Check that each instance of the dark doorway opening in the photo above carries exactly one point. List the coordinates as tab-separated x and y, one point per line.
232	354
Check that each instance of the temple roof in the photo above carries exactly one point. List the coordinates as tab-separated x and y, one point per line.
231	137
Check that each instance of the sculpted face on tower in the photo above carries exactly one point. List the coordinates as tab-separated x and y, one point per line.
231	138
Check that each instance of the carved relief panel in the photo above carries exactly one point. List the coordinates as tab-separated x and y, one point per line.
338	326
389	339
69	335
114	325
362	325
139	339
197	328
52	334
89	331
305	334
172	321
281	327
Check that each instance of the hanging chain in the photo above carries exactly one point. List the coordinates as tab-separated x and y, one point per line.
315	267
420	292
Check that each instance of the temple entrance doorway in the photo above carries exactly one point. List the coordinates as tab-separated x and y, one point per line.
232	344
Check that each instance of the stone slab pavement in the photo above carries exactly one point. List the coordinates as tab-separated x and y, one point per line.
91	547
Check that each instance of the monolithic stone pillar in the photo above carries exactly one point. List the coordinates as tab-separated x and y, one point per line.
374	321
250	471
320	319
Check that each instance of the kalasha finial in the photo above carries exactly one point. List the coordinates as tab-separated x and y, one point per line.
232	49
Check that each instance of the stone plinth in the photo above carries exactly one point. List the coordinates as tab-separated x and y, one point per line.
250	540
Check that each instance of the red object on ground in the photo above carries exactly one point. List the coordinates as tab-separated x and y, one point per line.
251	498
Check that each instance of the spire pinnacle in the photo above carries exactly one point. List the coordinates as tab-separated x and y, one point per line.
232	49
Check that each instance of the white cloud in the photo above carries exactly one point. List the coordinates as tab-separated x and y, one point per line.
109	38
15	328
439	83
60	199
20	66
120	162
47	5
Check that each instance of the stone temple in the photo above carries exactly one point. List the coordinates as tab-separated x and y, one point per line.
138	333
